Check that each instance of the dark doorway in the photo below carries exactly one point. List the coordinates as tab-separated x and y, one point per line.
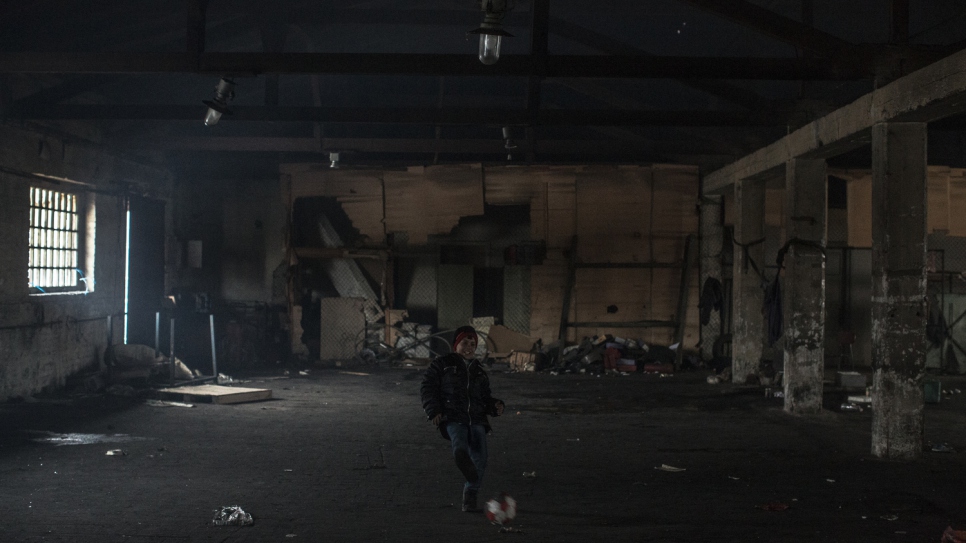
145	268
488	293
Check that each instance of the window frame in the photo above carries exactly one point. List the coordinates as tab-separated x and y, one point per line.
82	215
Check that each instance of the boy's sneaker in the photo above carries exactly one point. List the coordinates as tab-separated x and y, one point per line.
466	466
469	501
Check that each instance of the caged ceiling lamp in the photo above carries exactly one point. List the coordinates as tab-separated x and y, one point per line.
491	31
224	93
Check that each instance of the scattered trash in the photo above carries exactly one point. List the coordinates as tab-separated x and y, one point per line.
287	470
574	439
734	478
779	394
518	412
501	511
222	378
511	530
776	506
232	515
942	448
304	372
530	474
713	379
890	518
850	406
163	403
830	480
672	469
115	452
953	536
290	535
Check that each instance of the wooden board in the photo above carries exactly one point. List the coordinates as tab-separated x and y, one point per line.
217	394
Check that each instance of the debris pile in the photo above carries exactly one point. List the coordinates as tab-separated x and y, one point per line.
610	354
232	515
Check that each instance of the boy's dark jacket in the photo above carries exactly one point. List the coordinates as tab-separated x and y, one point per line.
459	390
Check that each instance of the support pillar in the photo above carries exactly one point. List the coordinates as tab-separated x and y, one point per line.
898	288
806	201
712	231
747	293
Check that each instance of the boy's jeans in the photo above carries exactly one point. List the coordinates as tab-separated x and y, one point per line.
471	438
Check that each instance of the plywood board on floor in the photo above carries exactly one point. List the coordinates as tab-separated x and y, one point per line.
216	394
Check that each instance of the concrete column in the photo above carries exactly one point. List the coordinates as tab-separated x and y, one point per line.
898	288
747	294
711	244
806	201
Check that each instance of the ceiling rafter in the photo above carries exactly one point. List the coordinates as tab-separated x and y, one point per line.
607	44
777	26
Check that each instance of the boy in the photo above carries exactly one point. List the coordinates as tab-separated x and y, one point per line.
456	397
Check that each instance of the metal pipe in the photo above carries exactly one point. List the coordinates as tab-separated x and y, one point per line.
171	351
214	355
110	330
157	334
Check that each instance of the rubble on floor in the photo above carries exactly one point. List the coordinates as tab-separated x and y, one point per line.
610	354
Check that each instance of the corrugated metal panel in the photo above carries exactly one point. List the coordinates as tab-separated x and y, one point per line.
454	295
516	298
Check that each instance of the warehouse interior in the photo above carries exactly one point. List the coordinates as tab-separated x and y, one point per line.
756	209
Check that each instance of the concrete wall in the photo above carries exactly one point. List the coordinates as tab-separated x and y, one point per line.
242	226
253	242
46	338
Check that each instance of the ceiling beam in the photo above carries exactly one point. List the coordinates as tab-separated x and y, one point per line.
318	13
429	116
67	89
899	21
428	146
577	66
776	26
539	51
930	94
196	19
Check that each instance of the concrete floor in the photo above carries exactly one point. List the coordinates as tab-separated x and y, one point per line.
306	465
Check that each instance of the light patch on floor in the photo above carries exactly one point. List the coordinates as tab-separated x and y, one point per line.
83	439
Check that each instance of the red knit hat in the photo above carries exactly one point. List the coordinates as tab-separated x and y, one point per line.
462	332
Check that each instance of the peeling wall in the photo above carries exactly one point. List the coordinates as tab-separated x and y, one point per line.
621	214
46	338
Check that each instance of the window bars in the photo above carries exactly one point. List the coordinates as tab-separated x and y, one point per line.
54	240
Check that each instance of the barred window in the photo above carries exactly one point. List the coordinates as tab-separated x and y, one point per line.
55	242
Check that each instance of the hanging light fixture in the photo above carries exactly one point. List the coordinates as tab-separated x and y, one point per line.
509	145
491	31
224	93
